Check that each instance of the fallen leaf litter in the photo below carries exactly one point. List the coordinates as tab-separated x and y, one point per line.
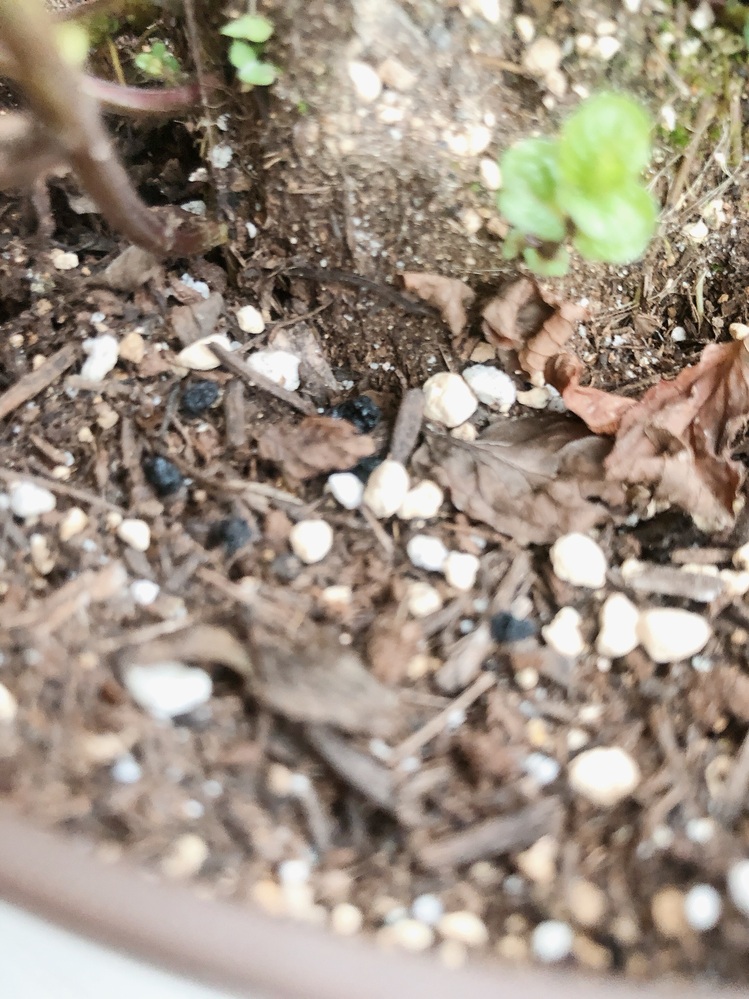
376	725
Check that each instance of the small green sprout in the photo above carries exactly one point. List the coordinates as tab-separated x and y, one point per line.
158	62
249	34
585	187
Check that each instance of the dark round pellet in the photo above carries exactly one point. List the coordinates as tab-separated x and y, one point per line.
364	468
198	396
362	411
233	533
162	474
506	628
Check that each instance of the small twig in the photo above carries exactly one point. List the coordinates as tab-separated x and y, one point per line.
733	799
36	381
332	275
80	495
702	123
233	363
435	725
407	425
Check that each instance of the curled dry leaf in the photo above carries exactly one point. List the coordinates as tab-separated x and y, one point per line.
601	411
531	479
677	439
531	322
450	295
317	445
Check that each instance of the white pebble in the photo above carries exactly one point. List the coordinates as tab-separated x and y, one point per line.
535	398
367	84
678	334
542	768
168	689
103	352
605	48
185	858
280	366
199	287
670	634
738	885
386	488
427	909
250	320
221	156
311	540
491	386
703	907
62	260
426	552
579	560
448	399
346	920
346	489
198	356
409	934
28	500
461	569
422	501
552	941
135	533
703	17
604	775
126	770
563	633
422	599
542	57
465	927
618	634
74	522
697	231
490	10
144	592
8	705
490	173
525	28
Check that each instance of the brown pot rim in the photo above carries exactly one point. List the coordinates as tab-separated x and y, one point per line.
243	950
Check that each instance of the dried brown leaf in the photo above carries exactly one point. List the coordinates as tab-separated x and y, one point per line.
601	411
531	479
316	445
528	320
677	439
319	681
450	295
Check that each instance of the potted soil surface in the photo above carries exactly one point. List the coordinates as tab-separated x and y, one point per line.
373	613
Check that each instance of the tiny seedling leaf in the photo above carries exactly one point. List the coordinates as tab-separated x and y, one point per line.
617	227
257	74
250	28
529	184
556	266
604	143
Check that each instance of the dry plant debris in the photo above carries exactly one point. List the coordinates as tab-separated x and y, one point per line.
380	732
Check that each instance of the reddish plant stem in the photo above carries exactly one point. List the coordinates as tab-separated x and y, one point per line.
57	96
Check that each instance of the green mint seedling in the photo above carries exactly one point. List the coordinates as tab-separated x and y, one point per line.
583	187
157	62
249	34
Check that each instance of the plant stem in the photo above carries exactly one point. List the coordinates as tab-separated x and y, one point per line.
57	96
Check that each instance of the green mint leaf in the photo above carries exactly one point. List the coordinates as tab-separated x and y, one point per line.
258	74
240	54
604	143
250	27
556	266
529	186
615	228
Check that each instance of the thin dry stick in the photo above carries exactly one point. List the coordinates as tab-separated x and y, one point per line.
80	495
429	731
702	122
34	382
